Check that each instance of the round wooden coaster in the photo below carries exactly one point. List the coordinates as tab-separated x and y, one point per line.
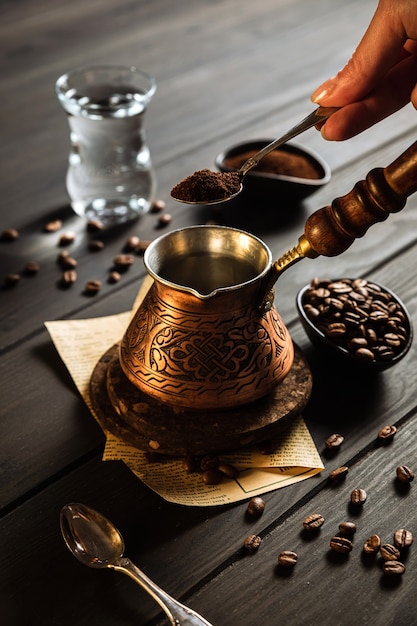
151	426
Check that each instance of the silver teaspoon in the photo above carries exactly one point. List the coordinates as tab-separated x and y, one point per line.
313	119
96	542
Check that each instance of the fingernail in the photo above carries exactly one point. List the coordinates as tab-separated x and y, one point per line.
323	133
324	90
319	97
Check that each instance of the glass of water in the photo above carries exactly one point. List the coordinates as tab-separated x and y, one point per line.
110	175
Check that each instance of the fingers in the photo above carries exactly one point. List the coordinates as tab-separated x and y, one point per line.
396	91
381	47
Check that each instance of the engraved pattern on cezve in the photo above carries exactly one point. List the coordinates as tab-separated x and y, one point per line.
169	347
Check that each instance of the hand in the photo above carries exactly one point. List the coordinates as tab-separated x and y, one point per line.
381	76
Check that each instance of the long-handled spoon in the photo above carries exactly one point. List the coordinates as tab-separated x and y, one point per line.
96	542
313	119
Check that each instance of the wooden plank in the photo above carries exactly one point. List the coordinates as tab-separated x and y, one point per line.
322	588
253	81
284	29
42	555
209	541
68	432
226	72
39	298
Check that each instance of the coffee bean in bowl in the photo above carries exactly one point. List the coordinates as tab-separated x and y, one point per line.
355	320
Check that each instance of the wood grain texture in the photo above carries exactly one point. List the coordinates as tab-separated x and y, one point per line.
325	587
227	71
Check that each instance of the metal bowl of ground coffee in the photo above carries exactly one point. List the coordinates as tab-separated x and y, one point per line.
290	172
355	320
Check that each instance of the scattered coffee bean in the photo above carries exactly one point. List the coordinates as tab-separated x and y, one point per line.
114	277
209	461
359	316
10	280
287	558
92	287
347	529
132	243
10	234
68	262
334	441
95	245
64	254
122	262
252	543
66	238
358	497
389	552
142	245
32	268
342	545
403	538
94	225
372	544
230	471
387	433
339	473
212	476
190	465
53	226
404	474
393	568
68	278
256	507
164	219
313	522
157	206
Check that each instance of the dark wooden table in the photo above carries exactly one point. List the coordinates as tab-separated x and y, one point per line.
226	71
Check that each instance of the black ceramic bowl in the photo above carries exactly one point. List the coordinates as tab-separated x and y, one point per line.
265	185
338	353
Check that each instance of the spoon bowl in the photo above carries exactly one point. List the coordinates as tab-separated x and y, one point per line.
97	543
90	536
210	202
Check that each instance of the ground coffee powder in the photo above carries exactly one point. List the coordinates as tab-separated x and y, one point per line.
277	162
206	186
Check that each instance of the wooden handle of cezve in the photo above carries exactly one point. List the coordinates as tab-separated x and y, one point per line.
332	229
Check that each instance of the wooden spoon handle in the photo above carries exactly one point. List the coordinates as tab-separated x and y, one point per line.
332	229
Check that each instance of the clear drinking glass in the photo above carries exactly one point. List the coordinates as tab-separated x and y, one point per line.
110	174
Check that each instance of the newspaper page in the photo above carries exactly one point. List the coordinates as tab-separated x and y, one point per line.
81	344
